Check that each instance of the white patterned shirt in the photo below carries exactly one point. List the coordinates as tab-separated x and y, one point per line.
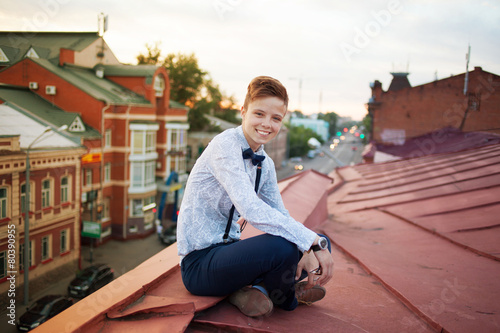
221	178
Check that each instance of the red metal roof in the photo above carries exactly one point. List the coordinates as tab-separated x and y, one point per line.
416	249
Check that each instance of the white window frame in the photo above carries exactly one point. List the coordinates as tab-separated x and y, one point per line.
107	172
3	56
107	138
65	190
3	264
106	208
142	174
176	141
23	198
135	211
46	252
46	193
88	177
143	142
4	202
21	255
64	241
159	85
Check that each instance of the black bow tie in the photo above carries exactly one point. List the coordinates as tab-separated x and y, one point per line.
256	159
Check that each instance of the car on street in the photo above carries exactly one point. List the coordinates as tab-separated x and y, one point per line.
90	279
42	310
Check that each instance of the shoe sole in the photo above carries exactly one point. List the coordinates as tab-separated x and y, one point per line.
251	302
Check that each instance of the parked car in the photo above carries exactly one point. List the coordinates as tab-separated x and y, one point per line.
42	310
168	235
90	279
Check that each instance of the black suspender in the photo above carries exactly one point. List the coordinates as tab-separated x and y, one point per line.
231	212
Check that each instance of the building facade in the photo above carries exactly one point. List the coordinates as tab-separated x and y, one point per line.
142	134
54	205
319	126
469	102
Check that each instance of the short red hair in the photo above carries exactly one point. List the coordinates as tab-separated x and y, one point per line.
265	86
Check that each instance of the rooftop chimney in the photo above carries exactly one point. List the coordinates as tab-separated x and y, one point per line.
399	81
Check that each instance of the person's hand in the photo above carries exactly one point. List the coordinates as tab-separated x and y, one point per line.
308	263
326	265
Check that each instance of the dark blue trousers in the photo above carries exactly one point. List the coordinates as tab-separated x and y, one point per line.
222	269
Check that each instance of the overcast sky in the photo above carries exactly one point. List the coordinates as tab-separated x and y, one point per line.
333	48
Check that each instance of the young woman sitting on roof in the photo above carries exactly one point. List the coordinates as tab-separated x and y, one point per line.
234	182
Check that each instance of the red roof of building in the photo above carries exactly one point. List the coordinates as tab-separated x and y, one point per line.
415	248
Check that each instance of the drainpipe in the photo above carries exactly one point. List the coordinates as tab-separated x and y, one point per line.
103	137
125	164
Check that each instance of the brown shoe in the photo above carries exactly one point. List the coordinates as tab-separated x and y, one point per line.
251	302
308	296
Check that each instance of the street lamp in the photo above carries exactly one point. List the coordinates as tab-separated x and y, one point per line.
26	262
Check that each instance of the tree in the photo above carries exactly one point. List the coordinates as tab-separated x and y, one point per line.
331	119
152	57
298	137
186	78
192	86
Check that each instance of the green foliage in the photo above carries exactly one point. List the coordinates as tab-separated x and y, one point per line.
152	57
331	118
192	86
367	124
298	137
186	78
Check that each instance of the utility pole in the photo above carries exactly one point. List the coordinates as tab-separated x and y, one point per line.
300	90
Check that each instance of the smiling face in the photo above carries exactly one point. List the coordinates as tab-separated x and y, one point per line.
262	120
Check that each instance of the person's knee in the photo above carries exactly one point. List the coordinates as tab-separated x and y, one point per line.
284	249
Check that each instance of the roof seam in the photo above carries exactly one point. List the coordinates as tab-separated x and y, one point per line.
438	234
428	178
455	182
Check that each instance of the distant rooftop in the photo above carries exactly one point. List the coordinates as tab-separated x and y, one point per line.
29	103
47	45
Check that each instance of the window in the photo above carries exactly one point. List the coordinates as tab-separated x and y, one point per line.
77	125
3	57
46	193
64	189
150	142
64	240
143	142
88	177
32	53
107	172
137	207
21	255
105	208
176	142
3	264
159	86
46	248
3	203
143	174
23	198
107	138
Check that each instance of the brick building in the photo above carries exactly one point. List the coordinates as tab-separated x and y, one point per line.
54	205
142	134
404	112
